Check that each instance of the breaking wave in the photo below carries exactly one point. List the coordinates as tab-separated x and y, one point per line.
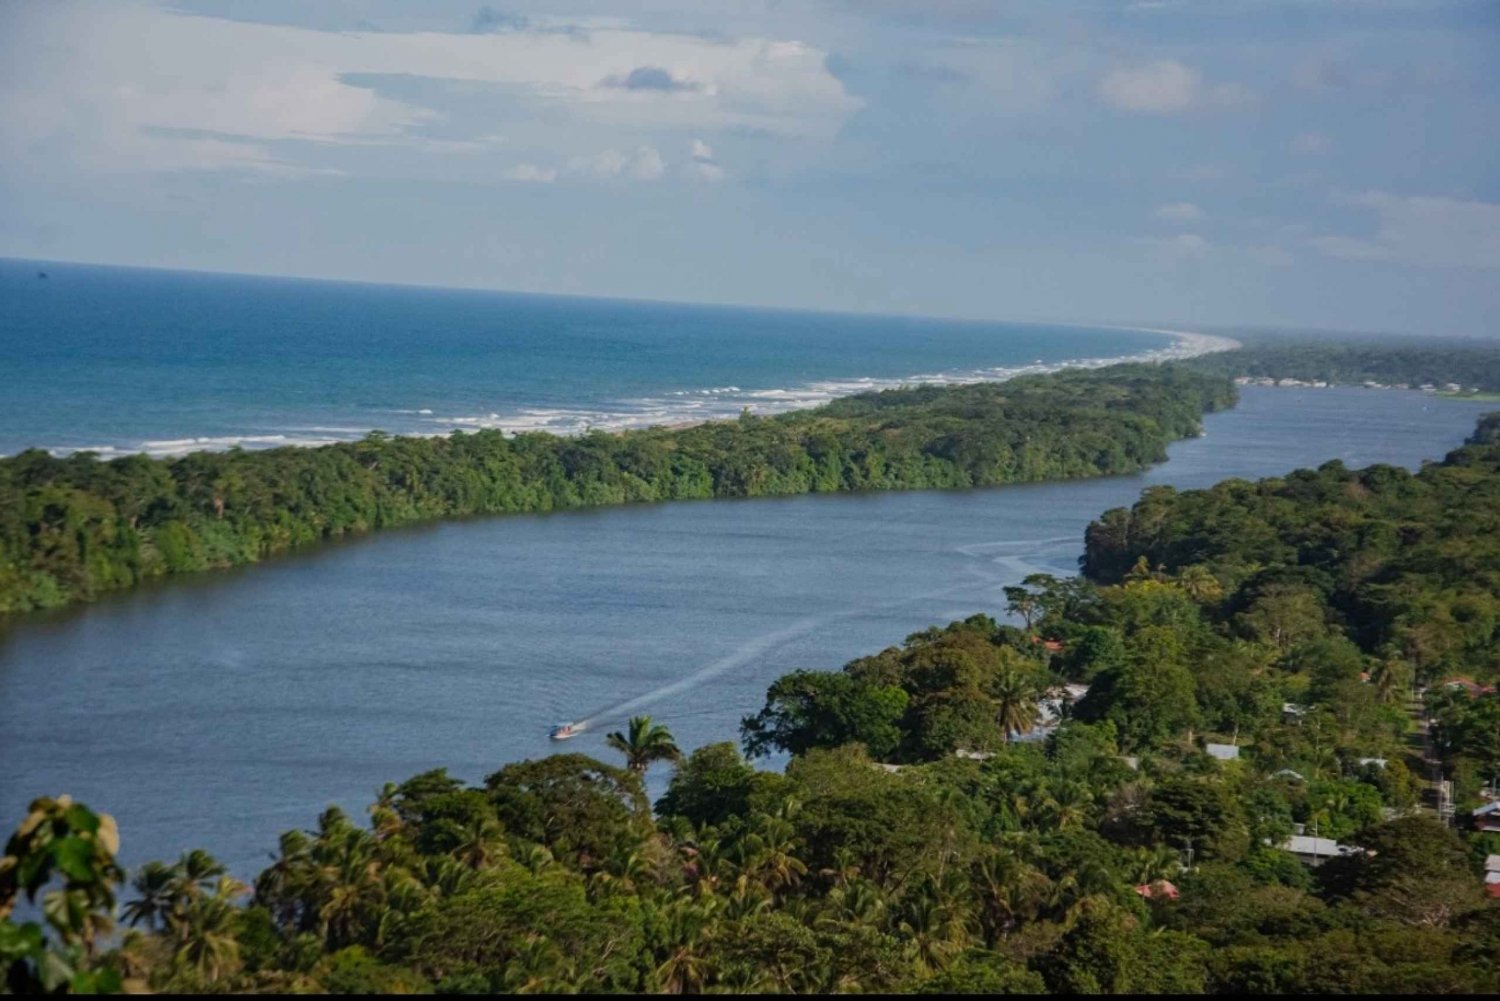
676	408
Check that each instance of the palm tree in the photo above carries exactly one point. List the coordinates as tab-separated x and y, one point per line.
1147	865
385	818
169	892
624	870
536	858
771	859
1068	804
703	864
644	744
351	884
482	842
1010	891
209	946
933	921
1015	702
539	967
285	884
856	902
156	882
686	968
1200	585
1391	679
197	871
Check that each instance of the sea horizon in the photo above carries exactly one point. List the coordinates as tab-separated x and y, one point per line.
461	359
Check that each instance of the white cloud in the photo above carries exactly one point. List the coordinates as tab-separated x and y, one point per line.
702	164
1189	245
1422	230
1179	212
1166	87
1159	88
530	172
645	164
1311	144
125	87
1177	248
1350	248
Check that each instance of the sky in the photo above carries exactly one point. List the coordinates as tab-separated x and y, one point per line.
1296	163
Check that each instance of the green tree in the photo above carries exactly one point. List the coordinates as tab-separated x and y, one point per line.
808	709
644	743
712	785
1412	870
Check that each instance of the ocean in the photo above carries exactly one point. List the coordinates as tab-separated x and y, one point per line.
123	360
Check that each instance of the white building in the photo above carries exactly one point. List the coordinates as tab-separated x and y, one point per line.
1315	851
1223	752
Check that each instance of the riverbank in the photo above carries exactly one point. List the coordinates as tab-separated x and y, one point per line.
86	527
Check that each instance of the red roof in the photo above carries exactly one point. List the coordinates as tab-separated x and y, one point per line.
1161	889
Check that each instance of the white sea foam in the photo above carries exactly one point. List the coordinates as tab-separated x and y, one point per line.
166	447
674	408
722	402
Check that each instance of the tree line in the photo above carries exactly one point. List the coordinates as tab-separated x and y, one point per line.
1410	362
72	528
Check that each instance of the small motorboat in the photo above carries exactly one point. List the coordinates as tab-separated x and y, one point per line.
562	731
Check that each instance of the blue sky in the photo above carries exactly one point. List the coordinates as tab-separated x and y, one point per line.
1302	163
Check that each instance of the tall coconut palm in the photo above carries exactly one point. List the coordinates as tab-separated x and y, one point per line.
1200	585
208	943
644	743
1010	891
1015	702
858	902
704	864
156	884
1391	678
481	842
686	968
351	884
933	920
284	886
771	855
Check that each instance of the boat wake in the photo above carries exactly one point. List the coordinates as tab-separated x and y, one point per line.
1013	558
757	648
